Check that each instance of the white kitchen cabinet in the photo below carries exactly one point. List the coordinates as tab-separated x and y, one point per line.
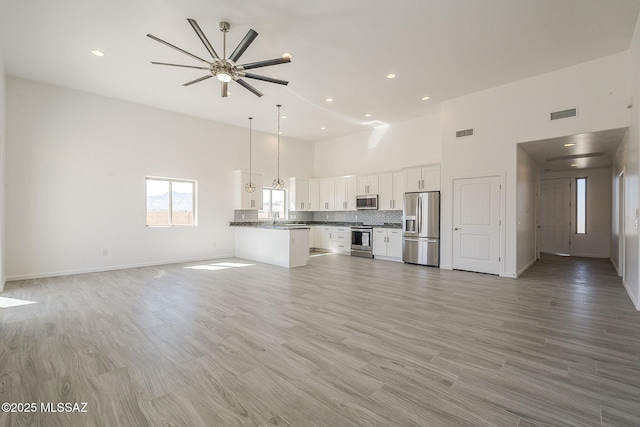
244	200
345	193
423	179
327	195
341	240
392	187
368	185
314	195
322	237
298	194
387	243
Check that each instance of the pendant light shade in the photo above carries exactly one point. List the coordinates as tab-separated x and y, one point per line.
278	183
250	187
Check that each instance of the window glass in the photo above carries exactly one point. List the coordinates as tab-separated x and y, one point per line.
581	205
170	202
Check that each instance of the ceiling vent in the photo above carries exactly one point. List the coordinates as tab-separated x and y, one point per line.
462	133
564	114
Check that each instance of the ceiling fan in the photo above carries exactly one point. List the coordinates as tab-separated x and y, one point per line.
223	68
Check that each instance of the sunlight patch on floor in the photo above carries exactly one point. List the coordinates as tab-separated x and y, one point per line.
14	302
219	266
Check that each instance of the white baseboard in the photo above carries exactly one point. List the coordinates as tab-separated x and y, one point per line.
387	258
526	267
636	303
110	268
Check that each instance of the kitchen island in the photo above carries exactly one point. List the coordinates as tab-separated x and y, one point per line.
285	245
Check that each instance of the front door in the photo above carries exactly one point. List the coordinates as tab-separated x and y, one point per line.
476	222
555	216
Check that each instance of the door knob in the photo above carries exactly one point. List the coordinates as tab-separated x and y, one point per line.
456	229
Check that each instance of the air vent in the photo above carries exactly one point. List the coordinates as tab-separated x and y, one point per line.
575	156
564	114
466	132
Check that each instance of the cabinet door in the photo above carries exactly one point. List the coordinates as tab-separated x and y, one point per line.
431	178
394	243
246	200
385	192
373	184
298	194
327	195
414	180
314	195
351	191
363	181
325	238
340	193
379	242
399	188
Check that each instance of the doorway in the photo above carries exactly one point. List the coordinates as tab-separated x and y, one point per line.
554	229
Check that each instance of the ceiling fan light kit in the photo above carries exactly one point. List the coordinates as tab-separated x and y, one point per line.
225	69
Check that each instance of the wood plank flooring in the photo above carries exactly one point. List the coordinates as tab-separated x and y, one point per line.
344	341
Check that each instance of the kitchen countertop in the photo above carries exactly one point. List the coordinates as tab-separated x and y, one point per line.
288	225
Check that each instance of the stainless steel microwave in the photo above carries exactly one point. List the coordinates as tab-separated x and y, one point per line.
369	201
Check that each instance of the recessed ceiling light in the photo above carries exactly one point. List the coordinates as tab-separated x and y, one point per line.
329	99
287	55
425	98
574	165
323	128
368	115
391	76
97	52
284	117
569	144
280	133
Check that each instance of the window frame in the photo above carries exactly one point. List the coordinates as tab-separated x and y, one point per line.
577	204
193	182
270	211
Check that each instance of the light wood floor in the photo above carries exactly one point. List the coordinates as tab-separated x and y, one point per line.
344	341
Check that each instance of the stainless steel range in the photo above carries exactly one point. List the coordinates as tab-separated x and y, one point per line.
362	241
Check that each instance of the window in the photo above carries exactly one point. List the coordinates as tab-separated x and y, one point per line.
273	202
581	205
170	202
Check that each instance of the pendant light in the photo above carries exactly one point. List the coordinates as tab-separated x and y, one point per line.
278	183
250	187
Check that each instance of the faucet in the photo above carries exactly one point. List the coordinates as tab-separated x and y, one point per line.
275	217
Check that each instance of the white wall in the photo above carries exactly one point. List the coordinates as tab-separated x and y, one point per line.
628	160
519	112
76	180
411	143
2	172
597	242
526	208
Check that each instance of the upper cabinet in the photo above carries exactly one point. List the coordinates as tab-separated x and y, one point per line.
345	193
423	179
314	195
327	195
392	187
243	199
368	185
299	194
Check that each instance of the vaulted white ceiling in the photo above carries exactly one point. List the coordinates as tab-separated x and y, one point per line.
341	49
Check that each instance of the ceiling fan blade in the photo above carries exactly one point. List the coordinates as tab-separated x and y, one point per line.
208	76
265	63
180	65
203	38
266	79
225	89
249	87
244	44
177	48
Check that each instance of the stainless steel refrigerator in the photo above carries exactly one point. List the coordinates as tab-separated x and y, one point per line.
421	228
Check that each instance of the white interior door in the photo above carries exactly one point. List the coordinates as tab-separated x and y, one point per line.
555	215
476	221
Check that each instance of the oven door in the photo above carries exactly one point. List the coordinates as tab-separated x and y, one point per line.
361	240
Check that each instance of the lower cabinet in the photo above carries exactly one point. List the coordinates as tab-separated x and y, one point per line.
387	243
333	239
